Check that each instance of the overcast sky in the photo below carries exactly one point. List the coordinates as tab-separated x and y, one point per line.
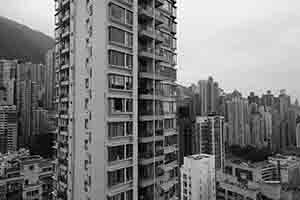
245	45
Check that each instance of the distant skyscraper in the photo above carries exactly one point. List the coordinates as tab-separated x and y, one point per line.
210	138
268	99
209	93
298	133
27	103
238	119
7	81
252	98
49	79
36	74
284	104
185	123
8	128
198	177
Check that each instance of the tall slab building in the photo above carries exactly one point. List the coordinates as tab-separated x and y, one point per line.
115	97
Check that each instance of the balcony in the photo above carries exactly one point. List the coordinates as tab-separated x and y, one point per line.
145	13
65	48
159	3
146	32
146	52
173	28
159	19
66	16
174	12
65	3
65	32
57	5
127	2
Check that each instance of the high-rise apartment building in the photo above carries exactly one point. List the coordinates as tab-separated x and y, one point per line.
198	177
210	138
268	99
116	102
238	119
7	81
209	93
8	128
49	79
27	103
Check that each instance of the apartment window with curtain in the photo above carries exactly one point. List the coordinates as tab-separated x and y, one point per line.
120	82
116	153
116	58
129	128
119	105
120	59
116	129
116	177
129	151
129	174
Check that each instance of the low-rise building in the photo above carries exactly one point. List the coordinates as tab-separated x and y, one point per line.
23	176
266	180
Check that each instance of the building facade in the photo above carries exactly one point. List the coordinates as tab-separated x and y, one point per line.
7	81
49	80
115	96
198	177
238	120
8	128
210	138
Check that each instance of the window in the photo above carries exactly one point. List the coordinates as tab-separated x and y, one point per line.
129	195
117	13
129	151
129	174
120	105
117	105
121	37
129	128
116	58
116	177
116	153
116	82
120	82
116	35
129	61
129	105
120	59
116	129
117	197
129	18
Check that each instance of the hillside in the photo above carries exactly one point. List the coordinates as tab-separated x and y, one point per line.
20	42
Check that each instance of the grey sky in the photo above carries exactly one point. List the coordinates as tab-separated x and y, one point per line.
246	45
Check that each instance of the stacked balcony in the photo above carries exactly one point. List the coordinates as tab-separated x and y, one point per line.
156	80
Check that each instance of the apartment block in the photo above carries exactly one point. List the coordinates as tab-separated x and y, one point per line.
8	128
210	138
116	99
198	177
7	81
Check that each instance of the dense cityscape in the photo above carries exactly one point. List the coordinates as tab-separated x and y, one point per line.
103	116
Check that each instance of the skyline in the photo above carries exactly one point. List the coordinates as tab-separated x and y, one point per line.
237	41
